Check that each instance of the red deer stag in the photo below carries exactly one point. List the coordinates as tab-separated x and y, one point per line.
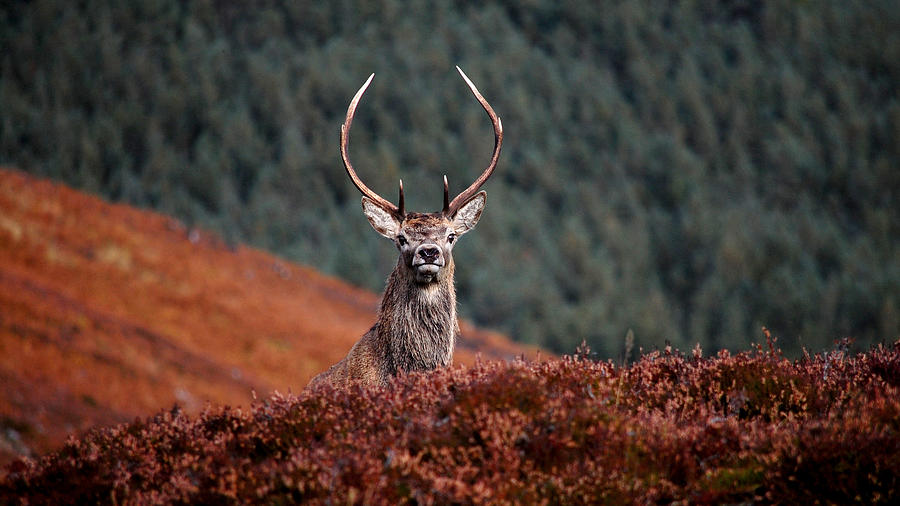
417	326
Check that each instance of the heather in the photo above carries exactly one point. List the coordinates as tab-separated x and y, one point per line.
746	427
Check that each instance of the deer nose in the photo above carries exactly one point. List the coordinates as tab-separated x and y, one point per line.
429	252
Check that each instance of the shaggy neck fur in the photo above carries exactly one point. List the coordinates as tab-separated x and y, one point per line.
418	322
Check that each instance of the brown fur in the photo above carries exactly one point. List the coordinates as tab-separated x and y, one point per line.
416	330
417	326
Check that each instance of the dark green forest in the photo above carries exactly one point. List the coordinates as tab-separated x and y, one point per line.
682	172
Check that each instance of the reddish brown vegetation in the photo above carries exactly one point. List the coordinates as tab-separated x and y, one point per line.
108	312
731	428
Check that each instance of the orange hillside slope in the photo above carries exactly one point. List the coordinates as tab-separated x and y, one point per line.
108	312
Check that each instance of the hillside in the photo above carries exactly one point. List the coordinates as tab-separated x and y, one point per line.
108	312
687	171
747	428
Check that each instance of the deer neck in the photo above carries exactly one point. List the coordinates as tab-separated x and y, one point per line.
419	321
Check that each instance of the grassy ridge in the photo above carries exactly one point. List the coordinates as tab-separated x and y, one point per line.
730	428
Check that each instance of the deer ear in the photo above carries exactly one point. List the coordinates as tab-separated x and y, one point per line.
382	221
469	213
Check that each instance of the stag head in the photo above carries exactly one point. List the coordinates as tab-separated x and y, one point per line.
425	240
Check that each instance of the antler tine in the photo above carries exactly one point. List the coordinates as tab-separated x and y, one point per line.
463	197
345	141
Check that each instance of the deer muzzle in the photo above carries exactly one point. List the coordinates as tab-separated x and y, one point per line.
428	260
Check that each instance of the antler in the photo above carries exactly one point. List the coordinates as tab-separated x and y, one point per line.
381	202
452	207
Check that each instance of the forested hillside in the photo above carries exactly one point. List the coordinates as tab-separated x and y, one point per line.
687	171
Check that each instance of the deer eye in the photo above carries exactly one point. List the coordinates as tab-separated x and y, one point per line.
402	240
451	238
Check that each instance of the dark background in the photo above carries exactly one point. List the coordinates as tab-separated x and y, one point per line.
686	171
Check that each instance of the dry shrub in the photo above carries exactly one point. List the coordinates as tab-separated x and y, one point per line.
731	428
